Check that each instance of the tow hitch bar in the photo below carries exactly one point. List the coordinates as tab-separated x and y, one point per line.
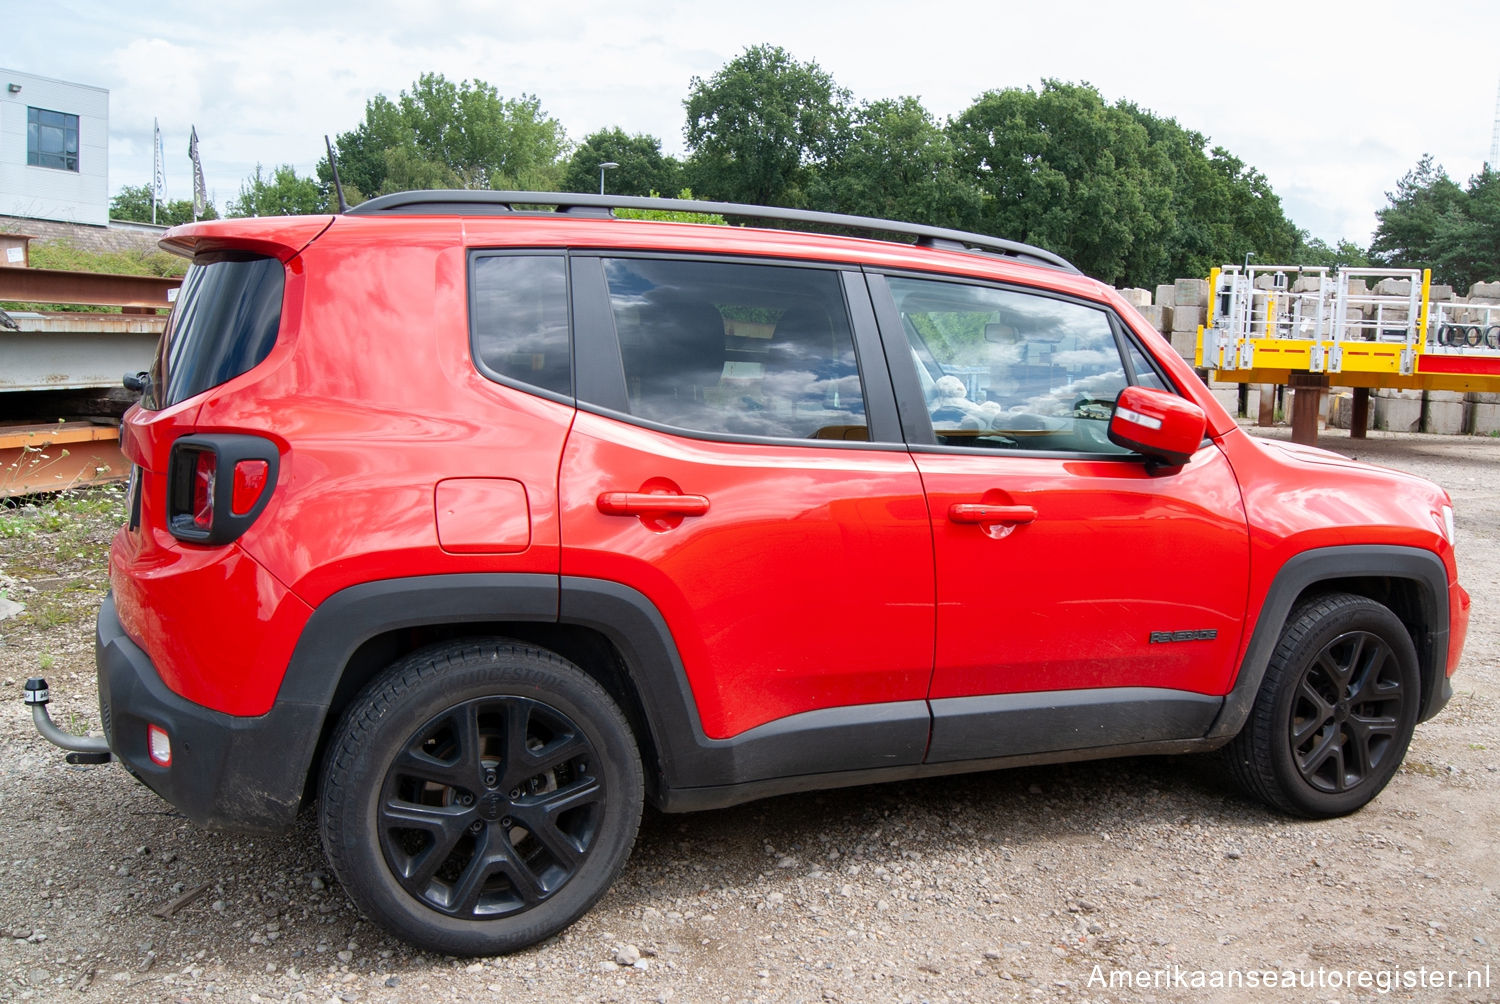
81	749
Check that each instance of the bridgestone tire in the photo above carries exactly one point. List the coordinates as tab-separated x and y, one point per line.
479	796
1335	710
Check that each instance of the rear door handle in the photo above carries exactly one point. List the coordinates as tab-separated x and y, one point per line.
980	512
651	504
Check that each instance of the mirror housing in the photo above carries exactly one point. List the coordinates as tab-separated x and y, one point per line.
1158	425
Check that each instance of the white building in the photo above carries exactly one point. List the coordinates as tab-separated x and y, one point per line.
54	149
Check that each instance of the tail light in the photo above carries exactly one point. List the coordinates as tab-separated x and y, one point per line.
217	484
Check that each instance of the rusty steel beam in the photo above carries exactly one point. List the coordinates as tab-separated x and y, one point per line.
47	285
57	456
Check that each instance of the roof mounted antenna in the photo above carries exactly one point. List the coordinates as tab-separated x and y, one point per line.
338	186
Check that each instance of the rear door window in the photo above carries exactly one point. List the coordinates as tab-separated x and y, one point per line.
733	349
225	323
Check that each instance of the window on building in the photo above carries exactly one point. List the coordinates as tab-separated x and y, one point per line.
51	139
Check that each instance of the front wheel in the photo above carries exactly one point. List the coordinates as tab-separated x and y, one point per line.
1335	710
480	796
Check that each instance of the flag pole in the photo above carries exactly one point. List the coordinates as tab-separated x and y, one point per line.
156	175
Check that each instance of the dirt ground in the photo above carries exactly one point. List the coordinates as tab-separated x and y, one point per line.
1017	885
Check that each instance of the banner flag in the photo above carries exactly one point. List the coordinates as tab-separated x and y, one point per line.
200	191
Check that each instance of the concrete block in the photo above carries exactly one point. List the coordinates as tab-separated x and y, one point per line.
1444	396
1228	396
1186	344
1392	394
1396	414
1159	318
1358	287
1445	417
1308	284
1187	318
1136	296
1190	293
1484	419
1166	295
1340	407
1393	287
1439	294
1485	291
1483	397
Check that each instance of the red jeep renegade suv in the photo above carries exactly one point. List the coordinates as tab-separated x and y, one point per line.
480	525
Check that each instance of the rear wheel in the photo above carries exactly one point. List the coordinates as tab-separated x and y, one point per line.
1335	712
480	796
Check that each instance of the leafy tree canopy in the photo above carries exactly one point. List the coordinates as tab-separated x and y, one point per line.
898	163
1060	168
133	202
671	215
643	168
1430	222
283	193
760	127
446	135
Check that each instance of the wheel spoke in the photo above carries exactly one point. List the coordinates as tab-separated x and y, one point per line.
516	766
522	878
420	765
1336	669
540	816
557	753
445	825
1313	763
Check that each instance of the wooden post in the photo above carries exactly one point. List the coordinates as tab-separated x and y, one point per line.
1359	418
1307	396
1267	417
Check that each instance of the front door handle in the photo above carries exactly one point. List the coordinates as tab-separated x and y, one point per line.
651	504
981	512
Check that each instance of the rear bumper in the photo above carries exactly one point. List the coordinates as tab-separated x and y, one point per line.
227	772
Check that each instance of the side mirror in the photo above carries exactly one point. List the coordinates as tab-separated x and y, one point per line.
1157	424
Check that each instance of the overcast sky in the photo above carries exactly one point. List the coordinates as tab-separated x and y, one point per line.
1333	102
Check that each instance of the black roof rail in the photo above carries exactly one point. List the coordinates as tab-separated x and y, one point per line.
486	203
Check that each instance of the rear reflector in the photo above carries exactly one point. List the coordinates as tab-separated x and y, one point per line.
159	745
250	478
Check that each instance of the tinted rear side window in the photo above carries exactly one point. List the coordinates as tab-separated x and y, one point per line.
225	323
518	319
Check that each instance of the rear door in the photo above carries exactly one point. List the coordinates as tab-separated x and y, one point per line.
1083	598
736	459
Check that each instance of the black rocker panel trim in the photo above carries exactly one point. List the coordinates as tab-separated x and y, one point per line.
698	799
975	728
1325	564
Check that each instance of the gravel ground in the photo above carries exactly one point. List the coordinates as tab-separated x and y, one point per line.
1022	884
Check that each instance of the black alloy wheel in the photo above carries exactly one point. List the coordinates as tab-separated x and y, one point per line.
491	807
479	796
1346	712
1335	711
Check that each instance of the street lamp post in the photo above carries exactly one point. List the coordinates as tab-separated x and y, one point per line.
608	165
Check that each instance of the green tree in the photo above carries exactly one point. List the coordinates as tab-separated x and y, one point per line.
1316	251
1407	232
758	129
446	135
671	215
643	167
899	164
1466	244
133	202
1060	168
283	193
